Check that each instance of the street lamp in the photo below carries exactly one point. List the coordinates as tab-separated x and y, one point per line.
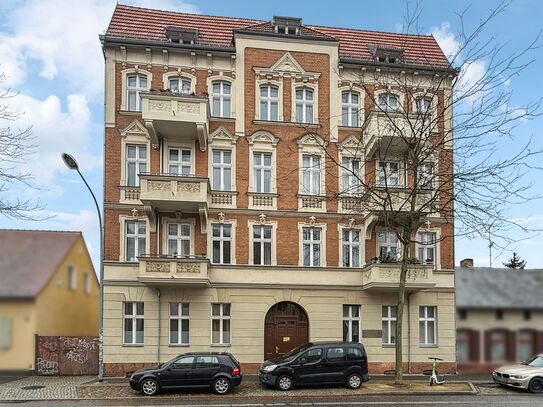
71	163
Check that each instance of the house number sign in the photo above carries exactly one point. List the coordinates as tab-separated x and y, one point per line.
286	338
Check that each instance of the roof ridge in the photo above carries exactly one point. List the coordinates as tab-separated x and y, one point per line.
40	230
372	31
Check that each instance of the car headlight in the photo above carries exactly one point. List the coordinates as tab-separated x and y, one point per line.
269	368
518	376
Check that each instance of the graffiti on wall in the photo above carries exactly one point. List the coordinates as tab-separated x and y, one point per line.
47	348
66	355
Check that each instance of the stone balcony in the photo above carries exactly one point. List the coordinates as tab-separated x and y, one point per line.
386	277
398	199
176	117
168	270
173	192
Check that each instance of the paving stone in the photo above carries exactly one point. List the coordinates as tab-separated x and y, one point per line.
43	388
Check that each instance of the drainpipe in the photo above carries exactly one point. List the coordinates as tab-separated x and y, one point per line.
409	331
159	326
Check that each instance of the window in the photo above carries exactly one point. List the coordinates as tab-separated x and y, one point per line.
462	345
6	332
269	102
423	105
311	356
133	323
527	315
354	354
351	323
304	105
179	161
427	325
206	361
389	174
463	314
425	176
134	85
349	109
179	85
86	282
286	30
183	363
221	98
389	314
427	247
525	344
262	163
222	170
135	239
262	245
311	174
136	163
499	314
220	324
498	346
388	102
311	246
335	354
179	323
350	176
351	247
72	278
221	243
388	245
178	239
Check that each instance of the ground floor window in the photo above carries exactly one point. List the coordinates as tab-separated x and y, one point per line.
179	323
525	344
133	323
427	325
462	345
498	341
220	324
389	313
351	323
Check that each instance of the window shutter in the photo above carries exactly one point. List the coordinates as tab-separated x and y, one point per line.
511	346
487	346
5	333
474	345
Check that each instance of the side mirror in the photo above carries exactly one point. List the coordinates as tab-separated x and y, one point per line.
302	361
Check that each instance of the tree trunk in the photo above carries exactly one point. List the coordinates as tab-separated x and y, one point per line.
401	301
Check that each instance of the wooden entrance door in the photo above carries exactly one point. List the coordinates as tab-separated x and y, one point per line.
286	327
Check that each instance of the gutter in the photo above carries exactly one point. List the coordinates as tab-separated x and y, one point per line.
409	332
159	328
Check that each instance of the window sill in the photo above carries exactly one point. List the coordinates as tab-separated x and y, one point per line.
342	127
421	345
180	345
222	119
389	345
129	112
283	123
252	193
218	345
133	345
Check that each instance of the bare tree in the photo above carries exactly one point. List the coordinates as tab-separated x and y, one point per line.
16	145
416	164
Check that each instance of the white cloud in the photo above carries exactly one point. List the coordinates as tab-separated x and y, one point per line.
446	39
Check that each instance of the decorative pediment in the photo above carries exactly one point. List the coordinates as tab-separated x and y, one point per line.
221	134
313	140
262	137
288	66
352	144
135	129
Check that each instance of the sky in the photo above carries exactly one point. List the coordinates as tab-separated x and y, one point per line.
51	55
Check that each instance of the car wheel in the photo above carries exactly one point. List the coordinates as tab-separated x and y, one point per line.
149	387
536	385
221	385
284	382
354	381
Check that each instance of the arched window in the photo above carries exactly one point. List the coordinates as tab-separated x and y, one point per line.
135	83
423	105
269	102
222	98
179	85
388	101
304	105
350	106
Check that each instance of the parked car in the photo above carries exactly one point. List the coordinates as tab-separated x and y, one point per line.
317	363
526	375
218	371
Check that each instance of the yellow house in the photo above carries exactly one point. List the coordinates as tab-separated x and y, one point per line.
48	287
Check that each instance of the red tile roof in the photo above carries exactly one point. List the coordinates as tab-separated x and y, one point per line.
29	258
138	23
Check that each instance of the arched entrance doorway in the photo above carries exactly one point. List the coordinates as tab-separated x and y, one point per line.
286	326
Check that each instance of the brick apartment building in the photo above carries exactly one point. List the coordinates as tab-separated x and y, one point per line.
219	233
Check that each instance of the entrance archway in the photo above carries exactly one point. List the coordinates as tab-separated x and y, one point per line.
285	327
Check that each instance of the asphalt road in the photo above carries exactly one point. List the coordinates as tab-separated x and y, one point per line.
498	400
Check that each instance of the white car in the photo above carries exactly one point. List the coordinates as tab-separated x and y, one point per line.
526	375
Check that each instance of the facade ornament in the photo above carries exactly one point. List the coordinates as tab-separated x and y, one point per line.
134	212
312	220
427	225
262	218
178	215
221	217
351	222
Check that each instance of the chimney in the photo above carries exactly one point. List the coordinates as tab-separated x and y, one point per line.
466	263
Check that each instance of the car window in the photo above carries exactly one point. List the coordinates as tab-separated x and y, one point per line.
183	363
354	354
207	360
311	356
335	353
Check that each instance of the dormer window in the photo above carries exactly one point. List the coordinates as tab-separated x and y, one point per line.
185	36
386	55
287	25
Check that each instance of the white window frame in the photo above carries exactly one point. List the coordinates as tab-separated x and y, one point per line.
185	90
221	97
350	319
221	317
137	161
179	318
351	185
134	317
385	176
269	100
350	244
222	166
260	169
305	104
222	139
312	243
136	236
391	321
182	76
263	241
179	238
424	244
313	170
180	163
387	243
136	90
353	109
72	278
427	320
387	97
426	175
222	239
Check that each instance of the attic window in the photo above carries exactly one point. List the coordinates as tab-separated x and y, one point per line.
287	25
185	36
386	55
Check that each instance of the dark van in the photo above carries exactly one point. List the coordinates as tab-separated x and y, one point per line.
317	363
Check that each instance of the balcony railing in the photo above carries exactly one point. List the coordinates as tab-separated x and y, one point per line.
386	276
168	270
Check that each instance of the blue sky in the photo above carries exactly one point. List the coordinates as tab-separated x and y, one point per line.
51	54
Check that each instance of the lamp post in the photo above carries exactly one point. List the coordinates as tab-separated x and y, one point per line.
71	163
